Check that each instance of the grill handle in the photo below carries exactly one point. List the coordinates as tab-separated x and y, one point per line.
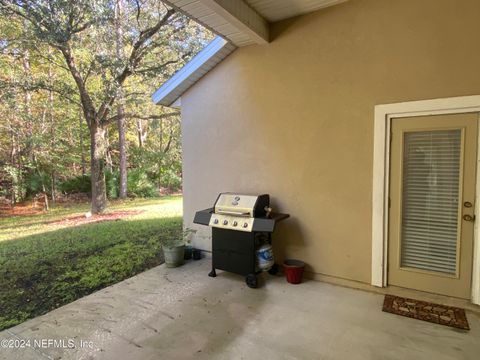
237	213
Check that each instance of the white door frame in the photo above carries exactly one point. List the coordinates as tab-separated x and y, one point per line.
381	169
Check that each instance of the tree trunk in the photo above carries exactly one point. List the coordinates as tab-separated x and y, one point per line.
14	164
27	99
141	133
82	149
54	188
123	152
15	147
108	152
53	140
97	153
120	108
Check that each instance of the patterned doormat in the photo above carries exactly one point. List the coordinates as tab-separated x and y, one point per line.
426	311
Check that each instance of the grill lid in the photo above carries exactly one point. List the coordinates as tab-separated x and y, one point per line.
235	204
237	212
233	211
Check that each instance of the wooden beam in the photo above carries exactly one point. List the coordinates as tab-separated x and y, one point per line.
242	16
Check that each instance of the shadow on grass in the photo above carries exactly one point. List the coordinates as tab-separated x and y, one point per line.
41	272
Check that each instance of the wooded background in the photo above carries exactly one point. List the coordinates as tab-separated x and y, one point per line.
75	107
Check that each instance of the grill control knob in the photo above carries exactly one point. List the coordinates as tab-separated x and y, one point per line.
215	221
225	222
245	225
235	223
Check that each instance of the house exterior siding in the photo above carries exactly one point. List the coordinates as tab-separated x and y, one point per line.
294	118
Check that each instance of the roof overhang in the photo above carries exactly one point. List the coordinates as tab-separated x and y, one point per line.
245	22
217	50
238	23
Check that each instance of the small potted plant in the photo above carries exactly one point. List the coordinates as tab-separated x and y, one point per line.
188	251
174	249
187	234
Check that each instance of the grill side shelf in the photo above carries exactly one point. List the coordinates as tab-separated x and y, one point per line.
260	224
264	224
202	217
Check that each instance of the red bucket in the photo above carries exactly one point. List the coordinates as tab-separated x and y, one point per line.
293	270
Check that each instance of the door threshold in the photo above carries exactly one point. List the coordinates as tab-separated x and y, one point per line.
396	290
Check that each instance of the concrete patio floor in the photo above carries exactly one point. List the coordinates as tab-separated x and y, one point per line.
182	314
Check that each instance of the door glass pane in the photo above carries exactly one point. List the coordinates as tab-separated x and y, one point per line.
431	184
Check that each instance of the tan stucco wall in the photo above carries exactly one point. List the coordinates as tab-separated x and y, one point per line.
295	118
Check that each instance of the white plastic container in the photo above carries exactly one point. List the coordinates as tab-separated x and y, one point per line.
265	258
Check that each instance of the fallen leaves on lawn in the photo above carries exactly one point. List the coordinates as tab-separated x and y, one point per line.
82	219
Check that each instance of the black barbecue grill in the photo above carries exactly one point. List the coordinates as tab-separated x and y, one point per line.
239	224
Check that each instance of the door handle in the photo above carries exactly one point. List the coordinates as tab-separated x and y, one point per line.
469	218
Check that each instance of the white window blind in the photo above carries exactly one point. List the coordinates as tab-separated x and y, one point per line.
431	174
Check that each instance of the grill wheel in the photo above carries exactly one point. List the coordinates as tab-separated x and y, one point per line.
251	280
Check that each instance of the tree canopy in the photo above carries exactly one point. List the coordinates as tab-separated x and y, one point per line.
66	70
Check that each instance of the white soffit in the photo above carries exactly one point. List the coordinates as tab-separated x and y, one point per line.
275	10
245	22
234	20
217	50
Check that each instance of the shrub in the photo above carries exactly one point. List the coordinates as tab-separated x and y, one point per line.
34	183
112	184
13	180
170	179
139	184
83	184
77	184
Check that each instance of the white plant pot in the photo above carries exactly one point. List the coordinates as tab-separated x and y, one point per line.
174	256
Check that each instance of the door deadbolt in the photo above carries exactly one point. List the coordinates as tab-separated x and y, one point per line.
469	218
467	204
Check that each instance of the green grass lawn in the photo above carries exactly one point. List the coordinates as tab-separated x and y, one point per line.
45	264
